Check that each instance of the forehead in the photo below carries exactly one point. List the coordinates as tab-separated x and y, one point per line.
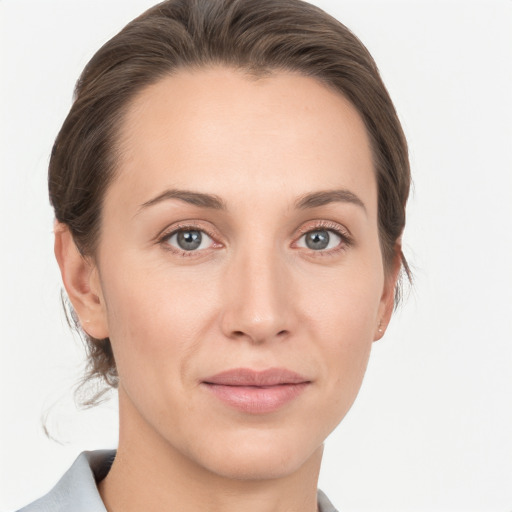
203	129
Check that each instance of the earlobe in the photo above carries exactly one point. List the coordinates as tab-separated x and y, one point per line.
81	281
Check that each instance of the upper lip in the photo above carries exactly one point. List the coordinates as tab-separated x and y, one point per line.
250	377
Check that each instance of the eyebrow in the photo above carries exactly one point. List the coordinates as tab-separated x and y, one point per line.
312	200
321	198
196	198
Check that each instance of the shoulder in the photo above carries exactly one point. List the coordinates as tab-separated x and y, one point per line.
76	491
324	504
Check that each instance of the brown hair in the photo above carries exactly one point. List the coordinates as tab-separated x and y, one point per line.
256	37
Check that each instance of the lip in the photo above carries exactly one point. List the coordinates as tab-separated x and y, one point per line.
256	392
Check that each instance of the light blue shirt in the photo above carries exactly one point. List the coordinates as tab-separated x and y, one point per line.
76	491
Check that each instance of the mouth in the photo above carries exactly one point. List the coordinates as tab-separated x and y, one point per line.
256	392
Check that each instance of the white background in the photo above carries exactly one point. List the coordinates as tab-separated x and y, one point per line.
432	427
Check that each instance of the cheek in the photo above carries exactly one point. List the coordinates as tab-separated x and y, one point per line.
343	321
156	319
344	303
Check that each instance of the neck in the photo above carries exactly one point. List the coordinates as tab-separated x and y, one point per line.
150	474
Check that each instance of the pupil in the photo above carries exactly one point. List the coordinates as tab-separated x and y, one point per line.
317	240
189	240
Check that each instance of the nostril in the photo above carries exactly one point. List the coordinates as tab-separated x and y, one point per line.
242	334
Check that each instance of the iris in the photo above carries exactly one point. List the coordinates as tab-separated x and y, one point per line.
317	240
189	240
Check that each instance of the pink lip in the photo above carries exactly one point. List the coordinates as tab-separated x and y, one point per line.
256	392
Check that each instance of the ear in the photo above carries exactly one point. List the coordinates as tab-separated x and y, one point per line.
387	301
81	280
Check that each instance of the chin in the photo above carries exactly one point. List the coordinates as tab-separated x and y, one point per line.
260	456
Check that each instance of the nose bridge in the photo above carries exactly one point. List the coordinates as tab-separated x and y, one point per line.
259	304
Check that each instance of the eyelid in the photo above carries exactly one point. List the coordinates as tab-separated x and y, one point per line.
183	225
324	224
206	239
340	230
173	229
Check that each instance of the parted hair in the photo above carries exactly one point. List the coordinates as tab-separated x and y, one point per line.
257	37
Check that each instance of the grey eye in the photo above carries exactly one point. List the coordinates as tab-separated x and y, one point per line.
189	239
317	240
320	239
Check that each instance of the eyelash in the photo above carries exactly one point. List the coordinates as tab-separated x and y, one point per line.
332	227
345	237
163	239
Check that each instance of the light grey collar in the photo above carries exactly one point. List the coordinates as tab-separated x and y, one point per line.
76	491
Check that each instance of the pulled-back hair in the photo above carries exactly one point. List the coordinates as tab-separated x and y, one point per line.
257	37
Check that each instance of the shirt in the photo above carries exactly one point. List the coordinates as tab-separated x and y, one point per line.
77	491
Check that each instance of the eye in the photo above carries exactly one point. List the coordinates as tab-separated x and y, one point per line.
320	240
189	240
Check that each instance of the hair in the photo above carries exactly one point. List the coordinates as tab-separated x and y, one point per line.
255	37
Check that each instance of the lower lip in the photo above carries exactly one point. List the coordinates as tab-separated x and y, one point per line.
256	399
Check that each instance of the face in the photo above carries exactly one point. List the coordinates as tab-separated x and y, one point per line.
239	274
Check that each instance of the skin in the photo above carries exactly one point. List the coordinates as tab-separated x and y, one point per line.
254	295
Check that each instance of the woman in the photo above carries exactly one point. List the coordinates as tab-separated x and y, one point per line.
229	190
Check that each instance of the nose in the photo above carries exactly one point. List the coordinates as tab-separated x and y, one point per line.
258	291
